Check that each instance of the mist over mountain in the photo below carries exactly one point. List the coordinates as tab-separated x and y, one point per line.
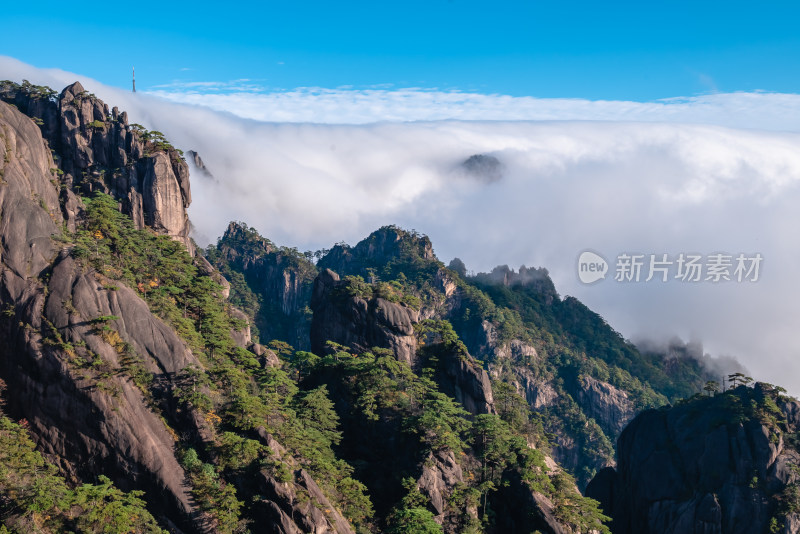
610	186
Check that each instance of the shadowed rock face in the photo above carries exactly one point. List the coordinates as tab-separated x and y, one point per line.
466	381
710	466
49	303
282	278
523	510
609	406
362	324
285	507
358	323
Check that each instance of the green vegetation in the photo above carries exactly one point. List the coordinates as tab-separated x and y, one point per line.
36	499
403	259
232	391
41	92
362	425
278	310
160	269
411	516
154	141
379	389
741	404
399	266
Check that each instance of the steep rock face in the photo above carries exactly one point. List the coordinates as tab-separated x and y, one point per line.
466	381
28	200
275	274
519	509
241	336
537	391
709	466
297	505
440	476
53	353
361	324
609	406
99	150
281	278
515	355
358	323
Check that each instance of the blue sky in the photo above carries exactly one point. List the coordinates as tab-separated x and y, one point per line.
596	50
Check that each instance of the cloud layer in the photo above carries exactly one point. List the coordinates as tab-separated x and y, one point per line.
773	111
641	180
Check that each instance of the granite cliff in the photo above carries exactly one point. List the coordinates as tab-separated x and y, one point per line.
727	463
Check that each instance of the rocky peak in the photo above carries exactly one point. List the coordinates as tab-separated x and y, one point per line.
484	168
274	283
97	149
241	241
381	247
50	302
360	321
199	164
726	463
536	278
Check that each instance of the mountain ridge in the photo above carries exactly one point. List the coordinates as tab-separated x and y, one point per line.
249	386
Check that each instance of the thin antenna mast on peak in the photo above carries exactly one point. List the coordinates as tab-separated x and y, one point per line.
134	79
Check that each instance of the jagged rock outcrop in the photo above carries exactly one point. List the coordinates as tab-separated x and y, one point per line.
360	323
520	509
295	505
726	464
98	149
281	277
241	335
441	474
200	165
466	381
536	278
281	280
382	246
53	352
606	404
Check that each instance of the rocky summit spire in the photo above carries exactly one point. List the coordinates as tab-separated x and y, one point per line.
134	79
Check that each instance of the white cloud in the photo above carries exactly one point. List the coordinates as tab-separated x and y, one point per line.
773	111
636	178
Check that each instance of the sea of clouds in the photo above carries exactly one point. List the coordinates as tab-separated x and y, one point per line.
707	174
